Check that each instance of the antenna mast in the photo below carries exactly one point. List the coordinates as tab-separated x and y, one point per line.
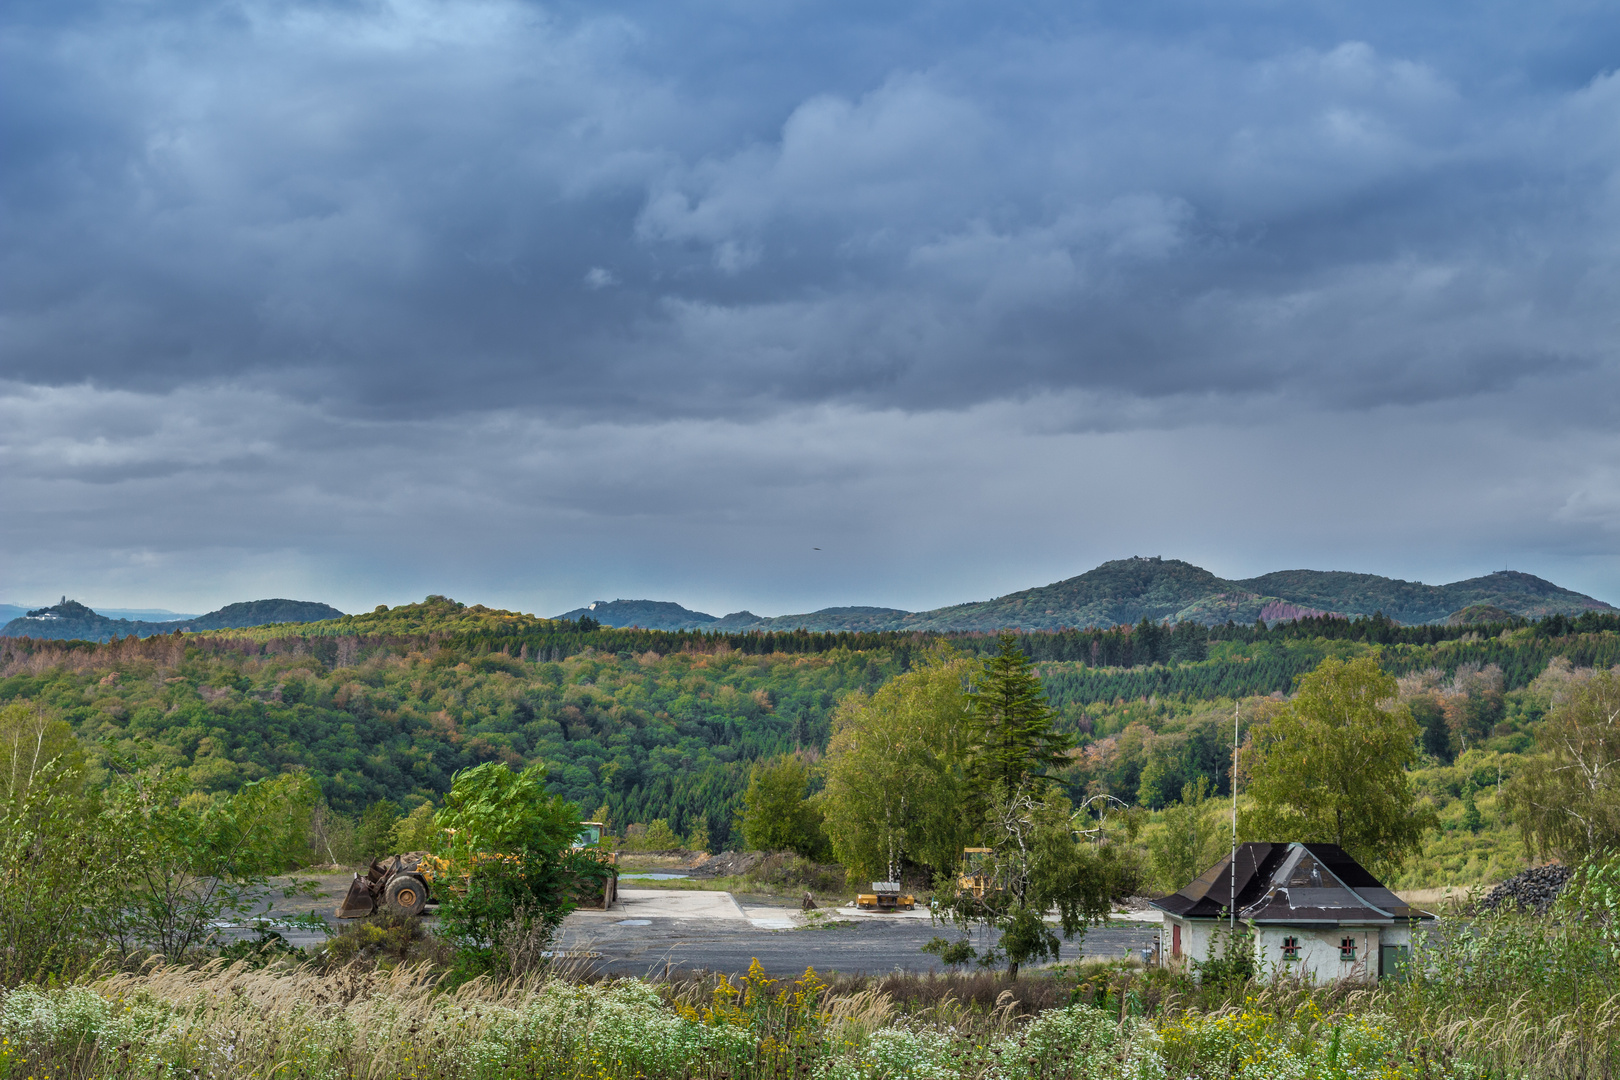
1232	909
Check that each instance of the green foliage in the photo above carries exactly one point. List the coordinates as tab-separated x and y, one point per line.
33	743
71	620
650	736
778	814
415	831
1231	964
1189	842
188	862
510	841
375	834
951	953
1038	865
896	782
55	876
656	835
1015	742
1330	766
491	809
698	838
1566	797
503	920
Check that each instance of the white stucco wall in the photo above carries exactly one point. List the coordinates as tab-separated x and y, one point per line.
1318	948
1319	952
1196	937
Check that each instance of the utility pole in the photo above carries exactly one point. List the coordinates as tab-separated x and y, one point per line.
1232	908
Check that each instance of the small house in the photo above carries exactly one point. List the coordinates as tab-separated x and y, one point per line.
1312	911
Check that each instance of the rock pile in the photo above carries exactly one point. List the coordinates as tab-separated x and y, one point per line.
1534	890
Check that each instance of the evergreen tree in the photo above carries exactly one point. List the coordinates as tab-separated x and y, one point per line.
1016	742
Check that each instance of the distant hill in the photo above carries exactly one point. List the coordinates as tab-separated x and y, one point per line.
71	620
1163	590
663	615
434	615
647	614
1414	602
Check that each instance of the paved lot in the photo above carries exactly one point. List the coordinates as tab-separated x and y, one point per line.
651	930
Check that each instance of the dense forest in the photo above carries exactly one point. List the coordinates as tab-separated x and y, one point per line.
644	725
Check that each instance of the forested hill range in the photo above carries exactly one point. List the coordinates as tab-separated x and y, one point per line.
73	621
1125	591
638	725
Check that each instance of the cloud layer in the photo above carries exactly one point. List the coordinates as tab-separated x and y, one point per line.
547	302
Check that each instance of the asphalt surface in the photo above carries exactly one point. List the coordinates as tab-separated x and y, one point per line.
651	930
869	947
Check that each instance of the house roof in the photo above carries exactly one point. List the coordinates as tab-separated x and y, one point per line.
1294	884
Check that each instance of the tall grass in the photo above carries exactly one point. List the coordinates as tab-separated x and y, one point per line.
1506	997
219	1021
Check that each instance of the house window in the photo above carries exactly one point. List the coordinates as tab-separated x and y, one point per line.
1290	948
1175	940
1347	949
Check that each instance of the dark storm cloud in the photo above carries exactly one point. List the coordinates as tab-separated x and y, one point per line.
545	303
403	208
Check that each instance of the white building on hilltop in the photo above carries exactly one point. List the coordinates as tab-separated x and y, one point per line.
1314	912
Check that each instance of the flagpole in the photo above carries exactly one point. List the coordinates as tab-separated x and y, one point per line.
1232	925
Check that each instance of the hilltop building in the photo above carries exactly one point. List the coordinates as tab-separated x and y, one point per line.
1314	913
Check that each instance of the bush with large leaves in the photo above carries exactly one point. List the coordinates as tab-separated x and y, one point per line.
513	873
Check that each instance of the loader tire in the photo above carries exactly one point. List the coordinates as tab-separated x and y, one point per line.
406	895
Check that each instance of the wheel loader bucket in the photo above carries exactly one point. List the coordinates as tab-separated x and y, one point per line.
358	901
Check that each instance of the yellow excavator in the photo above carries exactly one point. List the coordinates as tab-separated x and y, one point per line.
405	883
978	873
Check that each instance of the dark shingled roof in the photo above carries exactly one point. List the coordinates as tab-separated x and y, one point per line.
1296	884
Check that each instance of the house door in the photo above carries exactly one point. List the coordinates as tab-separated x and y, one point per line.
1175	940
1392	962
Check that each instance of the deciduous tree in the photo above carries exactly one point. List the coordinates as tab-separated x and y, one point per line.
1331	767
896	771
1566	797
777	812
1037	865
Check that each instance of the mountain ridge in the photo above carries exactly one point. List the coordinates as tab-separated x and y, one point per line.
1125	591
70	620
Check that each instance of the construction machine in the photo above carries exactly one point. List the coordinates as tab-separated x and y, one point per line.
405	883
885	896
978	873
396	883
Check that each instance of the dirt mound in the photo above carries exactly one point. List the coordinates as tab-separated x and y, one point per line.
1534	890
726	864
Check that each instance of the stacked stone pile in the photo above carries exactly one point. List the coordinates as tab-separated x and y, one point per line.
1534	890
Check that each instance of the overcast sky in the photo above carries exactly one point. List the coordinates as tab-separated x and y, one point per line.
538	304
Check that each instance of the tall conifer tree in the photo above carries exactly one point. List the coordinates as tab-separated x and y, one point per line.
1016	741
